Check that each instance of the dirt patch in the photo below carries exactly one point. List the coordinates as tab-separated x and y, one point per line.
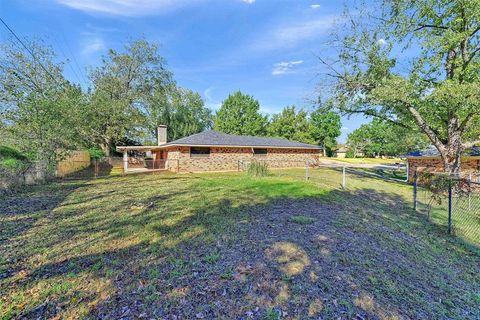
335	267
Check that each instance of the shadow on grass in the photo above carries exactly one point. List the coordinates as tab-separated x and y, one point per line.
206	247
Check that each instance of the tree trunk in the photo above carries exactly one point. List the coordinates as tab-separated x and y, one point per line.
452	153
105	148
452	160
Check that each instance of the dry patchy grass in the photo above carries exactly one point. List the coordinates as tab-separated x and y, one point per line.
227	246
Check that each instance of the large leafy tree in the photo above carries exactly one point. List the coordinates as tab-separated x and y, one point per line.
240	114
437	92
380	138
182	110
290	124
325	128
36	102
122	85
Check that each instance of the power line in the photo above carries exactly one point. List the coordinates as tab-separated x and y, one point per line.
28	49
67	61
82	74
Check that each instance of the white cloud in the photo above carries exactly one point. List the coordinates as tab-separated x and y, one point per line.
345	129
290	35
249	1
285	67
315	6
92	44
127	7
381	41
210	102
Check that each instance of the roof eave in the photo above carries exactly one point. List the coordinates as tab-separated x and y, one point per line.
163	146
239	146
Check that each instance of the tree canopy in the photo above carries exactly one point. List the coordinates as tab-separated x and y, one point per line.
325	128
240	114
182	110
436	92
292	125
122	85
132	93
36	101
381	138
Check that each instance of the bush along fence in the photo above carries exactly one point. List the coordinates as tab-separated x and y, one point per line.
451	202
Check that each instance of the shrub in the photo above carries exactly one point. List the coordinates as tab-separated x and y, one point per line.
258	169
7	152
349	154
12	164
12	160
96	153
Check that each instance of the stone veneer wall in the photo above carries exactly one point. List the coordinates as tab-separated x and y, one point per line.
229	159
469	165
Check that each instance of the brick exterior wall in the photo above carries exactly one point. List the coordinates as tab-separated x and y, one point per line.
229	159
469	165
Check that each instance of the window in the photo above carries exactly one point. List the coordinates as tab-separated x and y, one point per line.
259	152
199	152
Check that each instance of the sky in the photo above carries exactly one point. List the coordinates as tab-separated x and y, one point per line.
265	48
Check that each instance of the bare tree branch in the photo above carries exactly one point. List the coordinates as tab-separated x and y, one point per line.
468	145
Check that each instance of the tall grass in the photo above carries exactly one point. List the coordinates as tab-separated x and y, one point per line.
258	169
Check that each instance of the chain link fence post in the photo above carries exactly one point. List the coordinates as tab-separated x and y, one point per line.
306	170
415	191
449	206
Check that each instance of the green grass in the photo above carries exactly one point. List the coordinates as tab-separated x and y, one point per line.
368	160
302	220
226	245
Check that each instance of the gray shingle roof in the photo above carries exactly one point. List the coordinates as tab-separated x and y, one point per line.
433	152
214	138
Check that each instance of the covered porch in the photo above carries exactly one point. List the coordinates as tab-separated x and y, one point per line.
138	159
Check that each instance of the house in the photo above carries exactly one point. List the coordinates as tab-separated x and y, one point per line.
429	160
215	151
340	152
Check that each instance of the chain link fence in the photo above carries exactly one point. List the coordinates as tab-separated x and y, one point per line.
452	203
332	175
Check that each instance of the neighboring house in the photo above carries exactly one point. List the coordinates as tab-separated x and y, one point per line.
340	152
429	160
215	151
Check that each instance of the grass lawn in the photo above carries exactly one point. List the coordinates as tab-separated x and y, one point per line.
368	160
228	246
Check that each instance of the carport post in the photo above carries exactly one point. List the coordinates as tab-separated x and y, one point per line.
125	161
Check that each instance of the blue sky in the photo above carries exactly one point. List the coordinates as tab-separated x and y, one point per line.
266	48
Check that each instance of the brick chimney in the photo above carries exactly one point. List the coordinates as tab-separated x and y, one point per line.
161	134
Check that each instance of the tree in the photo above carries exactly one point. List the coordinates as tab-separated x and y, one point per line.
381	138
290	124
438	92
122	86
325	128
182	110
240	114
36	101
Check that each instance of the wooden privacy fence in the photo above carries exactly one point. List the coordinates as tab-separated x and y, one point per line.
76	161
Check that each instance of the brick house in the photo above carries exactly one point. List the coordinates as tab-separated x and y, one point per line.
429	160
215	151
